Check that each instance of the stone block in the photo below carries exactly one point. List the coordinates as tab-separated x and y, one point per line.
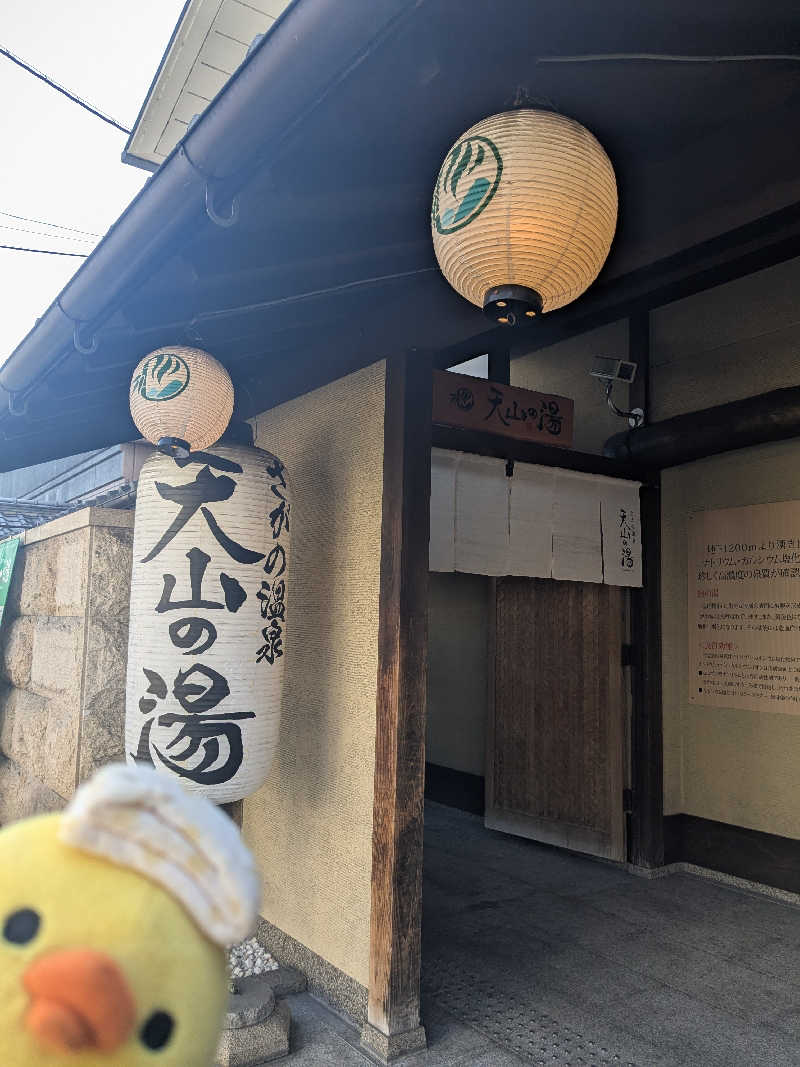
284	981
57	657
53	576
24	725
22	795
16	650
72	560
103	710
249	1046
110	573
249	1008
389	1048
57	765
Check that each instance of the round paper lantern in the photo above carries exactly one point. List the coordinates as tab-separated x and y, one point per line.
181	399
524	212
208	616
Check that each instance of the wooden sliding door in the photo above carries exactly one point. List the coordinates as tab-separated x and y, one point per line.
557	714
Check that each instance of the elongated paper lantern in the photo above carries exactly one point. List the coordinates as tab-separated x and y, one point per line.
208	618
181	399
524	212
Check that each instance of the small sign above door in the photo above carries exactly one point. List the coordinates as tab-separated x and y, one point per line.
475	404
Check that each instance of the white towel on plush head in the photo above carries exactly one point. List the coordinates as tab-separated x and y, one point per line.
137	818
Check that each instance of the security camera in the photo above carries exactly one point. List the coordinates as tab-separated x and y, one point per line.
613	370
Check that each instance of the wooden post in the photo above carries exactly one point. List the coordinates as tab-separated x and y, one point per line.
393	1023
646	847
500	364
646	844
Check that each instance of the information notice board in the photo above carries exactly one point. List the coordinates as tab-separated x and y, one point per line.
744	608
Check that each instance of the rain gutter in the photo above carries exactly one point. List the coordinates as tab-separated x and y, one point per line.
311	48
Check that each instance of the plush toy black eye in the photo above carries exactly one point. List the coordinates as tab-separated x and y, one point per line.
22	926
157	1030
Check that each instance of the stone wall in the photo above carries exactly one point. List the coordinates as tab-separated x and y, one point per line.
63	651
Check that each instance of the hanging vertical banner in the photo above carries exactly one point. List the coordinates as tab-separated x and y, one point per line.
208	618
442	548
622	534
8	555
744	608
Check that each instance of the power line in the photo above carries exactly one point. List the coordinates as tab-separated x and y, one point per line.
48	236
54	225
65	92
45	251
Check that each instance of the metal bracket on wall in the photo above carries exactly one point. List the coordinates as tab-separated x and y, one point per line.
18	403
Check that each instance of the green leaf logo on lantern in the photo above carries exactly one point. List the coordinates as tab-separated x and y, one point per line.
163	377
467	182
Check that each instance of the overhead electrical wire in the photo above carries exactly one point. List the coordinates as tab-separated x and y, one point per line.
45	251
47	236
53	225
65	92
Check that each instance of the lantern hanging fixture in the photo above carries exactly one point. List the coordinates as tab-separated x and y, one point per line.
181	400
524	212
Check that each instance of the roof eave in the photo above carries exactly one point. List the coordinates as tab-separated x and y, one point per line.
219	153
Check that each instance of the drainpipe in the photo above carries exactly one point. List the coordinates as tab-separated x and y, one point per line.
756	420
314	46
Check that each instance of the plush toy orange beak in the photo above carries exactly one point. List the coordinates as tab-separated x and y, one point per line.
80	1001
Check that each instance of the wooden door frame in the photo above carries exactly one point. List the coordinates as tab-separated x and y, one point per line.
393	1022
646	830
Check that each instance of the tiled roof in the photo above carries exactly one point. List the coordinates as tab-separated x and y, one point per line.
19	515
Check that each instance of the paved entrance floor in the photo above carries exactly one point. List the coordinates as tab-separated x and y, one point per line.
536	956
566	960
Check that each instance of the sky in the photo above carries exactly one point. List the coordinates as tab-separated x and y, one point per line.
58	163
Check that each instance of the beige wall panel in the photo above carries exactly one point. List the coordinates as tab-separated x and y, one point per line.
730	765
727	343
564	369
457	666
310	826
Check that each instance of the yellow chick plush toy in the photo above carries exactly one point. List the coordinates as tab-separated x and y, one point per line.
114	920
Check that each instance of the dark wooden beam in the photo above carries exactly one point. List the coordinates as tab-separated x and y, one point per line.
646	841
755	246
508	448
639	353
500	364
393	1026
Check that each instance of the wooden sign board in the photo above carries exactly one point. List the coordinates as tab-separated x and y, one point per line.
475	404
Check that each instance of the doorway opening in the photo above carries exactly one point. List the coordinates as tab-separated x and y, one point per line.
528	707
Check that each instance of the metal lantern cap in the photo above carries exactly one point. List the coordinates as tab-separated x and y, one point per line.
524	213
512	305
181	399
